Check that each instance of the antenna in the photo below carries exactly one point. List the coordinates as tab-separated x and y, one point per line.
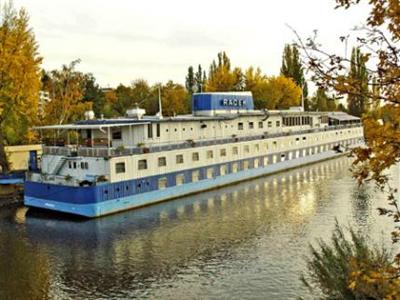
159	114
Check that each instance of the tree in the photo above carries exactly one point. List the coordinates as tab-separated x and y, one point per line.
239	80
257	83
358	75
124	100
190	82
19	79
67	95
200	79
322	102
93	93
379	40
279	93
221	78
293	68
173	99
348	268
144	96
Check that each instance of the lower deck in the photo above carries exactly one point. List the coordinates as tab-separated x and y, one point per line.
112	197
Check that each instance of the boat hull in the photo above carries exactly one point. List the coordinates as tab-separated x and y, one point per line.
85	201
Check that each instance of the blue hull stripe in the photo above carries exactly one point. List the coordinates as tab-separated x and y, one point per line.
133	201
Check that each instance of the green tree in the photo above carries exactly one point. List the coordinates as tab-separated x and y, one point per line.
19	79
93	93
322	102
124	100
190	81
293	68
358	75
200	79
347	268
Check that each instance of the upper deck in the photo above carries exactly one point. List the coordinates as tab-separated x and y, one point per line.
217	118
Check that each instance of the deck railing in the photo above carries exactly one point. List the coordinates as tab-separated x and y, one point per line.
97	151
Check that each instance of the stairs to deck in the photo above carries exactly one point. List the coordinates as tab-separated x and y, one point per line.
60	164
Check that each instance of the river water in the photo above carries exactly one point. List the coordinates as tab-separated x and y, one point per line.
245	241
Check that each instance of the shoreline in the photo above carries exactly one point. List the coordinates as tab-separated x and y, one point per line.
11	195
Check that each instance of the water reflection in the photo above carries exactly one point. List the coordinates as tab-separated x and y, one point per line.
239	241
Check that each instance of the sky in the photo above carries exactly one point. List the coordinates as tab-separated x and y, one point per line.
123	40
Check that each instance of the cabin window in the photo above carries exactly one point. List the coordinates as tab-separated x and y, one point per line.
251	125
304	138
223	170
162	183
260	124
195	176
84	165
158	130
180	179
70	164
240	126
195	156
210	154
120	167
210	173
142	164
246	149
235	167
235	151
223	152
150	131
162	161
179	159
245	165
256	163
269	124
74	164
117	135
278	123
265	161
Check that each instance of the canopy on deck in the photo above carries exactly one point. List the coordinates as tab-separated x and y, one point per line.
88	126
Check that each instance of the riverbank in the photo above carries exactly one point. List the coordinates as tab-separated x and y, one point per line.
11	195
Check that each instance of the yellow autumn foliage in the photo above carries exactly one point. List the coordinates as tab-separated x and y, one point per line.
19	79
